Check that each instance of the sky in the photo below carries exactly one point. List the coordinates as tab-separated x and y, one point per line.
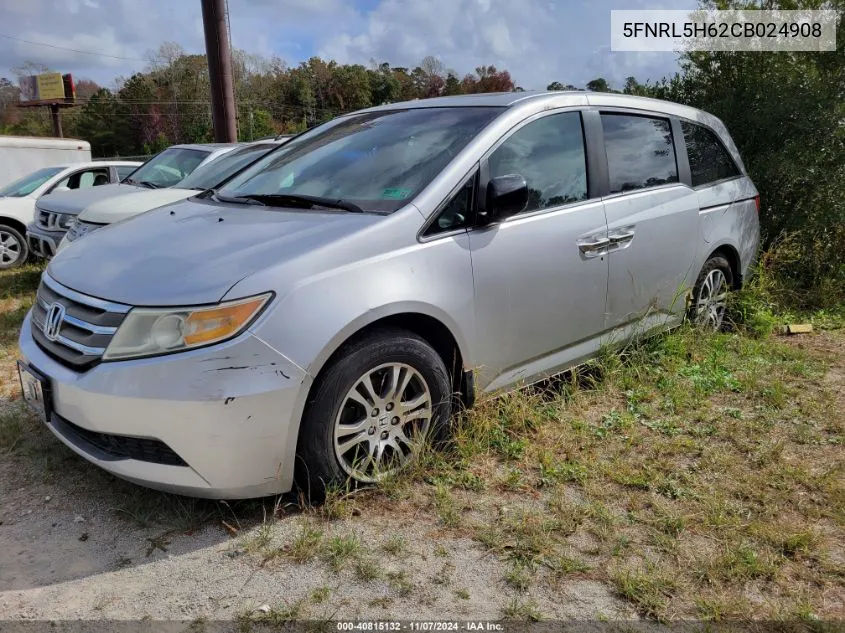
538	41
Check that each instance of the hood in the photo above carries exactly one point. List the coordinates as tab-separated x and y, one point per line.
122	207
193	252
75	201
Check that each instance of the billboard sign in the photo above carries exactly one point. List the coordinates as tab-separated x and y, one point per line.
47	87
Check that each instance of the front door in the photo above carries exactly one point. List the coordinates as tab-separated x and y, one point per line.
540	276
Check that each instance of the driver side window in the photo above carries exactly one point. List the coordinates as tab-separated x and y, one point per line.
549	154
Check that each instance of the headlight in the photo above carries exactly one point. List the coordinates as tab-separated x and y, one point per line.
64	220
79	228
73	230
149	332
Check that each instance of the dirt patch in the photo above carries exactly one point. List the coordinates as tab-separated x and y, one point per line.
72	551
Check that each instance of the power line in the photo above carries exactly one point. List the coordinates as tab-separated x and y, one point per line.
76	50
272	105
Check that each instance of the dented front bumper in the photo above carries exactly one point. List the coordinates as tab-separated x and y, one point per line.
228	413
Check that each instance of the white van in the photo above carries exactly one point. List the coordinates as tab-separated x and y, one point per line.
22	155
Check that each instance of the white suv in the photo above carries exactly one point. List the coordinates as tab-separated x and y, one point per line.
17	199
166	169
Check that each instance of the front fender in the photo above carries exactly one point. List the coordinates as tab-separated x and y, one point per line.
315	317
310	321
370	317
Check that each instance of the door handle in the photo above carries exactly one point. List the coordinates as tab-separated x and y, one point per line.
621	238
593	246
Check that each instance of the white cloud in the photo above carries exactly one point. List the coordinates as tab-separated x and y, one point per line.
62	50
538	41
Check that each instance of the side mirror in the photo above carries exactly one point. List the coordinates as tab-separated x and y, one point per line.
58	189
506	196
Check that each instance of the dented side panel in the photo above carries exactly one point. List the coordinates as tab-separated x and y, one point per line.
652	274
729	219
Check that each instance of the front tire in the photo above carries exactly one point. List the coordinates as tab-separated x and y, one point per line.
376	405
710	294
14	249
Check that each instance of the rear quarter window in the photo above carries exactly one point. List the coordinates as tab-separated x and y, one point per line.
709	161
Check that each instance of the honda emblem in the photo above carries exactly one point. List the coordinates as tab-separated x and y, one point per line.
53	321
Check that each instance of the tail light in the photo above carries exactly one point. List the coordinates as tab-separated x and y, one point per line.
757	202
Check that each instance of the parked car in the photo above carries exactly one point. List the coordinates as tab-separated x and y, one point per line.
17	199
328	308
210	175
53	215
22	155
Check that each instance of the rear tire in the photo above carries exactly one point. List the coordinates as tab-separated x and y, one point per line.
14	249
710	294
384	397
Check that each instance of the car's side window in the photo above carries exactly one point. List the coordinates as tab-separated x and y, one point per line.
93	177
83	179
124	170
709	161
549	153
640	151
456	213
64	182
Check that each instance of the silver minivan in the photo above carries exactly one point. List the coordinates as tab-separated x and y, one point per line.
329	308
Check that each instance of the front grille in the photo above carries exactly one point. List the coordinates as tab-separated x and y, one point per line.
52	220
116	447
85	330
43	247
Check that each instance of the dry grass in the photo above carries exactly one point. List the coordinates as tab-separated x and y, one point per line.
17	293
700	475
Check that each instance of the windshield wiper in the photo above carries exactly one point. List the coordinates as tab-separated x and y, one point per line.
142	183
299	200
219	197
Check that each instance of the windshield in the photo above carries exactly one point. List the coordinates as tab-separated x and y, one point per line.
223	167
376	160
168	168
26	185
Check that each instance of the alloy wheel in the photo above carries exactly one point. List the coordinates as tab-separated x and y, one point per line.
10	248
711	303
383	420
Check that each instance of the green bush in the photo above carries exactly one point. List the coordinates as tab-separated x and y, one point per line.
786	113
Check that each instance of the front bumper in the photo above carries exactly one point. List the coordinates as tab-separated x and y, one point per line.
228	413
43	242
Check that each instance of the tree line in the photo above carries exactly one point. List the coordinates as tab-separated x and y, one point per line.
170	101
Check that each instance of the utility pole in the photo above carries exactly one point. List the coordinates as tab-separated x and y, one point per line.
57	120
219	70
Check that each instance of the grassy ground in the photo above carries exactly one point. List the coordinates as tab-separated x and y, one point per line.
698	475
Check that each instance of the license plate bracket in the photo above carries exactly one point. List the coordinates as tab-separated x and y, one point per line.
36	390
